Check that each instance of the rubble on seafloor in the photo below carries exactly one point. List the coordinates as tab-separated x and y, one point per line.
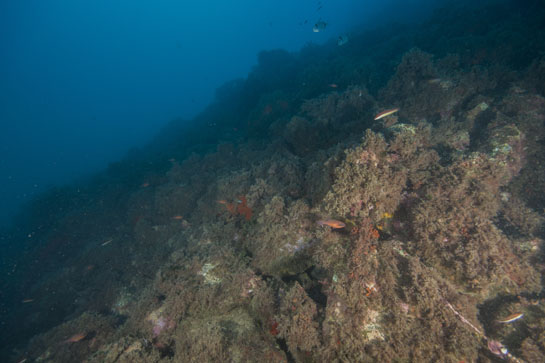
442	239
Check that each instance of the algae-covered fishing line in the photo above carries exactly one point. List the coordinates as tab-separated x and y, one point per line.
494	346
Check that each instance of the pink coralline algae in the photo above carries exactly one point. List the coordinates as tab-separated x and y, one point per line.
497	348
159	325
159	322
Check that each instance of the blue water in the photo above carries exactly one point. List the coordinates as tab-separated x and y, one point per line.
82	83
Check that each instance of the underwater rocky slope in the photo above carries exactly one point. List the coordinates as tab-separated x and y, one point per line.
205	246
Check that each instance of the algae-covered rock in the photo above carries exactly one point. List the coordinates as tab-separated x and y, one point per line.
281	237
365	184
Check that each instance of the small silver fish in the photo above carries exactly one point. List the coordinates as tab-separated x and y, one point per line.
319	26
342	40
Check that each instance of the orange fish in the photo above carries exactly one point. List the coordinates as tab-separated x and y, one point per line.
386	113
76	338
333	85
511	318
333	223
267	110
222	201
26	301
178	217
144	185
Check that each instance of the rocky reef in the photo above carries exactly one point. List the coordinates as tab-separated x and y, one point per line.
214	253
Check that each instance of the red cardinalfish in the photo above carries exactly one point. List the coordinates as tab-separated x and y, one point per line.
333	223
386	113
